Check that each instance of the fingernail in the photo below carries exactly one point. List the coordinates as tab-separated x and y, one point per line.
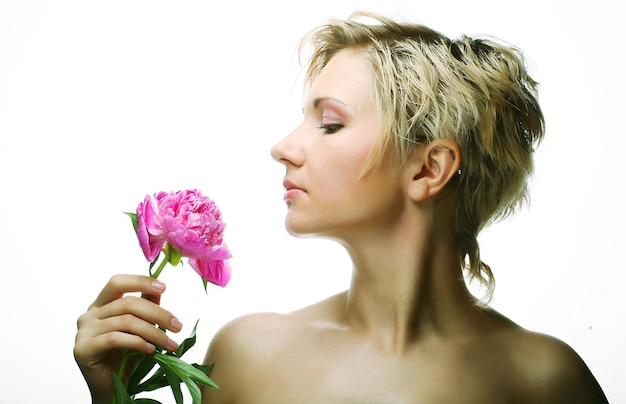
158	285
176	324
172	344
150	346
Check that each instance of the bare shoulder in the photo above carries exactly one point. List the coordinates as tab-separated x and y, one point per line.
249	352
550	371
260	334
252	336
239	352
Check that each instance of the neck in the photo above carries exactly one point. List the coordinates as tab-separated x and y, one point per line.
406	287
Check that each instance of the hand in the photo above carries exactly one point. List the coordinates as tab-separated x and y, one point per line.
115	322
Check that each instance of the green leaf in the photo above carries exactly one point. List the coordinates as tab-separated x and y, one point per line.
146	401
155	382
159	378
174	382
133	218
140	370
184	370
203	368
188	342
121	395
194	391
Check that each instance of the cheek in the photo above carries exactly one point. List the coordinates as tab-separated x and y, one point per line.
343	170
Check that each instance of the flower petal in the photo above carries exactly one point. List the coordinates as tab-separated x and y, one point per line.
148	232
216	272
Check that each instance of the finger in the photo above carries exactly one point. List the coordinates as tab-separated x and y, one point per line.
129	324
153	298
93	348
120	284
140	308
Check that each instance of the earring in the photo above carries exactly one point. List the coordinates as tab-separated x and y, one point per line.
459	172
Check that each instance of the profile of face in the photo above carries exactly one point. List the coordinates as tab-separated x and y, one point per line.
326	190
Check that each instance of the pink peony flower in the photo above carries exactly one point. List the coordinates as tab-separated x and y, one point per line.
191	224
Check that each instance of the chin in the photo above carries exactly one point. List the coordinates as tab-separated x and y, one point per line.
297	232
300	229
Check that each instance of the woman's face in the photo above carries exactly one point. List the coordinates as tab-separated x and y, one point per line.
326	191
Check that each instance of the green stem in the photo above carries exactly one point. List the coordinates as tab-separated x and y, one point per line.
123	364
156	273
122	369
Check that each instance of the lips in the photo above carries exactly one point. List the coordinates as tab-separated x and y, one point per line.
291	189
289	185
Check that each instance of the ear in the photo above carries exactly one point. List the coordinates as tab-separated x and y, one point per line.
435	164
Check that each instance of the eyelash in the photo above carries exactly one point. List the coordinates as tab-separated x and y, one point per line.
331	128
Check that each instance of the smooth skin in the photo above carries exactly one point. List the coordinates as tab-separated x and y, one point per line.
406	331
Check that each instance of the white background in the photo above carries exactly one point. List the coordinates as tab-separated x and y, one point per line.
102	102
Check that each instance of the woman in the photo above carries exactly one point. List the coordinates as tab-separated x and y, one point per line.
411	143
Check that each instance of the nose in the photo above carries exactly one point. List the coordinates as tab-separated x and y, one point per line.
288	151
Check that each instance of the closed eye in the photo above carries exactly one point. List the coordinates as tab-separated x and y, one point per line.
330	128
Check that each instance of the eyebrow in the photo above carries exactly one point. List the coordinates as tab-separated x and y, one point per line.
318	101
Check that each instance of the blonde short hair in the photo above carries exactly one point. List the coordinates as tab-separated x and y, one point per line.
476	92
